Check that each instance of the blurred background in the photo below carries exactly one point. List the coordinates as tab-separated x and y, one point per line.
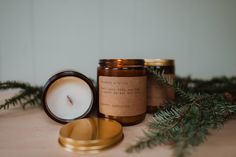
41	37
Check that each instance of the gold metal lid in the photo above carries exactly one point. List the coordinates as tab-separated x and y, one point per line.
159	62
90	134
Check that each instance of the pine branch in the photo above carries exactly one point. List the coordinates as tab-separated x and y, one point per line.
217	85
185	122
28	95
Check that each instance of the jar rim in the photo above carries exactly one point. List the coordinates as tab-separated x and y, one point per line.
122	62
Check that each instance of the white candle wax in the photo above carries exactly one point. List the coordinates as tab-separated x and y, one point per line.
69	97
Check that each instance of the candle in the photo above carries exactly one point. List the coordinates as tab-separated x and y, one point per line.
122	87
67	96
157	93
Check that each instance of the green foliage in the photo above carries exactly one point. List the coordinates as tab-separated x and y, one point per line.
185	122
28	95
218	85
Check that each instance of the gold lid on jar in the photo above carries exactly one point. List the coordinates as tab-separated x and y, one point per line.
90	134
159	62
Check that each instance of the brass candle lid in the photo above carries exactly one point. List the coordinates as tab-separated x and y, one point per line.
90	134
159	62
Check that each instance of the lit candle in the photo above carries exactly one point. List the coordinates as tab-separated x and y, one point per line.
67	96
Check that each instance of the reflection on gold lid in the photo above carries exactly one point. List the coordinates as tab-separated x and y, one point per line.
90	134
159	62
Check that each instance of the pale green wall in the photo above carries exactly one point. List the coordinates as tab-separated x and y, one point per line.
41	37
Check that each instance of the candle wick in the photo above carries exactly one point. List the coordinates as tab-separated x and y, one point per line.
70	100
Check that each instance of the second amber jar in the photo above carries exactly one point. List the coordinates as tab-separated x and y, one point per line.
157	93
122	90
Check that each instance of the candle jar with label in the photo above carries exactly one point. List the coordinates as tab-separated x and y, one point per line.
122	89
157	93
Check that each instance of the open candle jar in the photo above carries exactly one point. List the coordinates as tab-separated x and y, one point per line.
68	95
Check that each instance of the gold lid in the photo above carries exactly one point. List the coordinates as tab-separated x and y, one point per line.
90	134
159	62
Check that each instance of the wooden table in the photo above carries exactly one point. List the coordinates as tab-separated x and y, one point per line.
30	133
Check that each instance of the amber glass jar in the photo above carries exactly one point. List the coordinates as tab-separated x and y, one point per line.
157	93
122	90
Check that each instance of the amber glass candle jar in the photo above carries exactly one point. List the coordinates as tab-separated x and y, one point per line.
122	90
157	93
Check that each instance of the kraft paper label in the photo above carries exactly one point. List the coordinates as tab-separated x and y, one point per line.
122	96
158	94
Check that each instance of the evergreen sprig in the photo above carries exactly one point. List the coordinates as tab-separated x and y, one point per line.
185	122
28	94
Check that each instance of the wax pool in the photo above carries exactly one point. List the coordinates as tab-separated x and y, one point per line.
69	98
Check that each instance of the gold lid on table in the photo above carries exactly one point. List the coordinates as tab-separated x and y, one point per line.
90	134
159	62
